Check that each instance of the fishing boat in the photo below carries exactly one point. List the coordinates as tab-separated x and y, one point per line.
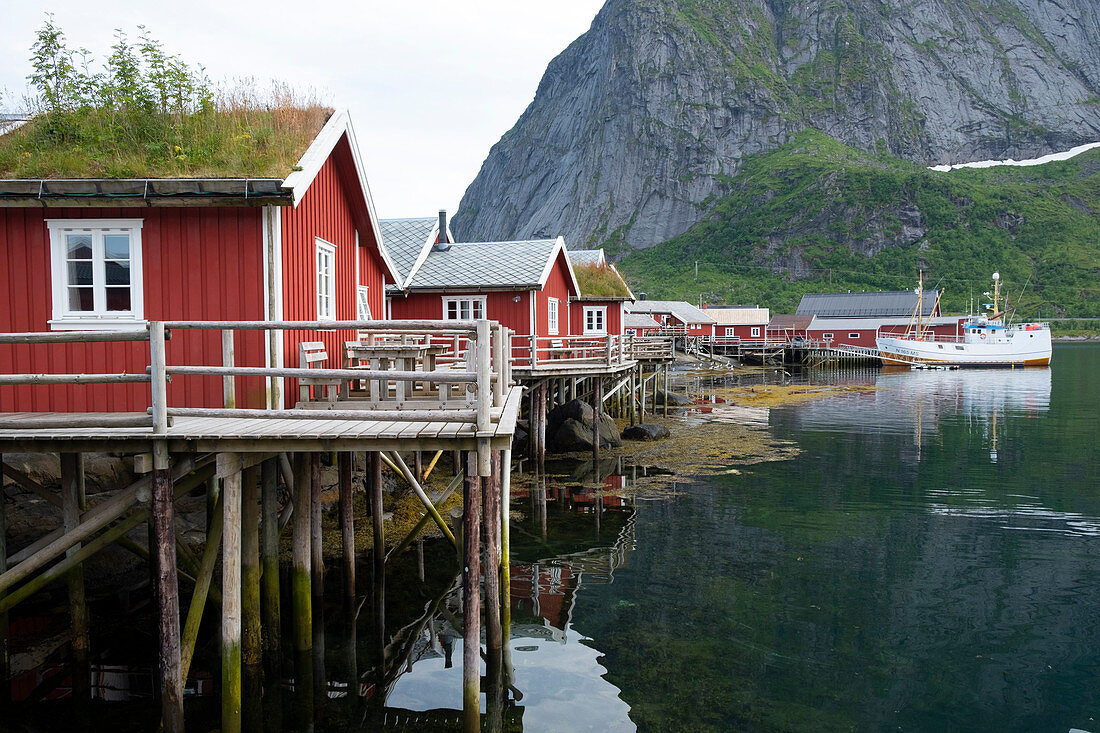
986	340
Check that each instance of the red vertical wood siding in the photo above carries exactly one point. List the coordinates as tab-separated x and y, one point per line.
614	314
500	306
558	285
329	211
202	263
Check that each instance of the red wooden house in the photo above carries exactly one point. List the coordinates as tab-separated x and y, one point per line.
112	254
640	324
604	295
524	285
741	323
677	317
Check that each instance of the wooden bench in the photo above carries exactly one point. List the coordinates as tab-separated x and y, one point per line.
311	355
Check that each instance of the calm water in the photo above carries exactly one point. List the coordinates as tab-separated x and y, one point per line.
931	560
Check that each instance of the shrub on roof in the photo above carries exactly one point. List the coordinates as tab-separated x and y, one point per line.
147	113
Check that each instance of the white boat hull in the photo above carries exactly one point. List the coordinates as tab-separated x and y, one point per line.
1016	348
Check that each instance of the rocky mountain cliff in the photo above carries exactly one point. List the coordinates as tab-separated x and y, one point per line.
638	127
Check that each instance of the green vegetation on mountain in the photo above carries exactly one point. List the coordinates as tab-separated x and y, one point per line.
148	114
818	216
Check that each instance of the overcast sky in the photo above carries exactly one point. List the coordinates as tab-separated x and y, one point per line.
430	85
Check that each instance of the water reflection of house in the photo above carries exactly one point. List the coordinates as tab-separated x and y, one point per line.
548	589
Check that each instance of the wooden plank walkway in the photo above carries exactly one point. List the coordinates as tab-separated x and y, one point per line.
263	434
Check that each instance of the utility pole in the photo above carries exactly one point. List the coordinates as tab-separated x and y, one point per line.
696	269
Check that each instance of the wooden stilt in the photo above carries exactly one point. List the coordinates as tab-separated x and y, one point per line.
665	408
378	573
597	409
347	525
634	395
252	638
229	470
5	649
505	472
301	595
72	470
491	530
418	465
269	558
542	390
202	587
471	598
167	593
317	573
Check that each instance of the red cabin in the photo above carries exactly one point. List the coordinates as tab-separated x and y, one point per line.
524	285
112	254
739	323
604	295
677	317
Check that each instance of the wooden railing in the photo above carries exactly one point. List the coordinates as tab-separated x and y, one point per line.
652	348
566	351
467	355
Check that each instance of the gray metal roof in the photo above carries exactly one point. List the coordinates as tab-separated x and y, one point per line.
405	238
868	305
639	320
680	309
485	265
586	256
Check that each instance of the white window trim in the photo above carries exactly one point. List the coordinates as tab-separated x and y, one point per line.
327	248
853	334
552	316
66	320
755	332
362	298
460	299
826	337
602	310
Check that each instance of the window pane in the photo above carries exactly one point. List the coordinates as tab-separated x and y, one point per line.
452	310
80	299
78	246
465	307
118	273
118	299
80	273
116	246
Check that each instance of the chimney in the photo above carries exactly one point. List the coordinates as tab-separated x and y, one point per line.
641	296
443	244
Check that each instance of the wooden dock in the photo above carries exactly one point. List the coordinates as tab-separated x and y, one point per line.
436	386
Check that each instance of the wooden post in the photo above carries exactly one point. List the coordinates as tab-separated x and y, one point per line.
270	562
252	640
301	596
418	465
72	475
378	572
633	395
347	525
202	588
229	470
665	370
471	598
167	592
5	650
491	529
159	377
229	392
597	405
505	471
542	401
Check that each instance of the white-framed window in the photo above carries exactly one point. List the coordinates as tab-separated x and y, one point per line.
826	337
96	273
552	316
464	309
731	331
362	311
853	335
595	319
756	331
326	280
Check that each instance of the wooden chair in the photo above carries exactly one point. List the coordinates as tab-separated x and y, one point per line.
311	354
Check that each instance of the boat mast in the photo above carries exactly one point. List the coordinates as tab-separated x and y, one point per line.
916	309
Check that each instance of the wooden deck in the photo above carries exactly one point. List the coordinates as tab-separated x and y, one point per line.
251	435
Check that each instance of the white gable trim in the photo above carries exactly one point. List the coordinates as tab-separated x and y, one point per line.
559	247
299	181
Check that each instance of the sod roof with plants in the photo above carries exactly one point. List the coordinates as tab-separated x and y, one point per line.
600	281
147	114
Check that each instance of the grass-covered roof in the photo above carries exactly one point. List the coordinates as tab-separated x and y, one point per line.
600	281
216	143
147	114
